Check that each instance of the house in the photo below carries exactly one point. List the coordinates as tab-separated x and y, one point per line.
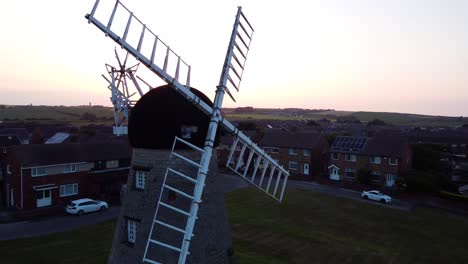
302	153
383	158
45	175
21	133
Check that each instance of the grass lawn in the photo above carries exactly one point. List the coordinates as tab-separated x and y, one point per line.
307	227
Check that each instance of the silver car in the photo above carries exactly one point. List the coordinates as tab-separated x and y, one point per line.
376	196
86	205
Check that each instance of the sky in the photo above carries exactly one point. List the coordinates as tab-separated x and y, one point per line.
369	55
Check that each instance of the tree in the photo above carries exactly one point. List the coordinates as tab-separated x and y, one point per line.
89	116
246	125
376	122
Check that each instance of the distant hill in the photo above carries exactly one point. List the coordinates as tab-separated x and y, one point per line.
73	114
402	119
61	114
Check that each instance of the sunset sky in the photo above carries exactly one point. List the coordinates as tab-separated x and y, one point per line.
406	56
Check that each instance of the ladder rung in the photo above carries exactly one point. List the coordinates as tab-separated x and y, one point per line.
190	144
179	191
247	21
237	60
174	208
242	40
240	51
170	226
232	82
186	159
165	245
235	72
151	261
243	28
183	175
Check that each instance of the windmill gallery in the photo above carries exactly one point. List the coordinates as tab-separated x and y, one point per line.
173	211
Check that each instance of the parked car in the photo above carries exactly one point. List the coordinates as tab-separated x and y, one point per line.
86	205
376	196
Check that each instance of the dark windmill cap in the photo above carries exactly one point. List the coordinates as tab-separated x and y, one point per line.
161	114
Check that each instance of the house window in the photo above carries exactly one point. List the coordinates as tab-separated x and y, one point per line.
335	156
39	171
350	157
110	164
69	168
350	173
393	161
8	168
131	231
306	152
375	159
99	165
68	189
293	165
293	151
140	179
266	149
375	176
274	150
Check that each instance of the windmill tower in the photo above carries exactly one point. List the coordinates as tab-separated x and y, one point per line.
173	168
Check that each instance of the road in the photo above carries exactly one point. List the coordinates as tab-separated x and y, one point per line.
64	222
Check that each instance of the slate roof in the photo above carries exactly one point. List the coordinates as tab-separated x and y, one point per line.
9	140
389	146
290	140
48	154
21	133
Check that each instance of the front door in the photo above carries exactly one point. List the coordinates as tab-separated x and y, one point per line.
334	173
306	168
43	198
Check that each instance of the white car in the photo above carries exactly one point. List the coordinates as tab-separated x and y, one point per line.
376	196
86	205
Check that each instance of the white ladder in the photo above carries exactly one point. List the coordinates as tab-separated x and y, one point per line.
160	223
258	168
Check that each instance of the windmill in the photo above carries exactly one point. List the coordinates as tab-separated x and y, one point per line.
246	159
119	86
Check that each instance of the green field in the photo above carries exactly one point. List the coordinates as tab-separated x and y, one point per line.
307	228
55	113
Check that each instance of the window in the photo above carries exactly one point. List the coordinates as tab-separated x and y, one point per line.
293	165
350	173
274	150
68	189
38	171
350	157
69	168
375	176
140	179
267	149
4	150
335	156
393	161
306	152
8	168
131	231
110	164
375	159
293	151
99	165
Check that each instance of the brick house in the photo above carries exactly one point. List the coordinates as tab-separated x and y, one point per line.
383	157
48	175
302	153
